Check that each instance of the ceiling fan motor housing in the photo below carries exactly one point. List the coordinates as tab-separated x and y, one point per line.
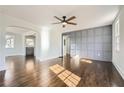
64	17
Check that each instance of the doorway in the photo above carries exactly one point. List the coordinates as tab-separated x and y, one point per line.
30	45
66	45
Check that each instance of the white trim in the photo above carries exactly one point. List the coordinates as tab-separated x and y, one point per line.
15	55
2	68
119	70
46	59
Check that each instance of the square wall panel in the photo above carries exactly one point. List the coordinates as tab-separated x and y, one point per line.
98	31
84	33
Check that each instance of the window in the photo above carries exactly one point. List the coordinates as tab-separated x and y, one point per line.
9	41
117	36
29	42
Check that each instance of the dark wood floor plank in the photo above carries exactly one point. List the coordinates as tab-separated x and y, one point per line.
28	72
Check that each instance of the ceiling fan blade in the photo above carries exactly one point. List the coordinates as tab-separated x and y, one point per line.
57	23
58	18
71	23
71	18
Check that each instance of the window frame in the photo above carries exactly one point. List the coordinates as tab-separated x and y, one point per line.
10	41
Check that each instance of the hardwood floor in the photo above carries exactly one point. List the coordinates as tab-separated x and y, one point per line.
28	72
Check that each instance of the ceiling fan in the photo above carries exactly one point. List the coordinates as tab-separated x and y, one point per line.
65	21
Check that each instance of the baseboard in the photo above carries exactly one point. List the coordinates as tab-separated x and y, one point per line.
46	59
97	60
14	55
2	68
118	69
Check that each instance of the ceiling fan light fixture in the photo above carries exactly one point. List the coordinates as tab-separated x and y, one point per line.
64	23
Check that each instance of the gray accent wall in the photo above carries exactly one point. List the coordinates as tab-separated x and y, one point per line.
94	43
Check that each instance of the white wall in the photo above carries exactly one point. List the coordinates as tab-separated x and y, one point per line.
118	56
53	49
5	22
2	55
2	42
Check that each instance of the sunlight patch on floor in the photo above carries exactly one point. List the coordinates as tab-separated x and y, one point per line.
69	78
56	68
86	61
64	74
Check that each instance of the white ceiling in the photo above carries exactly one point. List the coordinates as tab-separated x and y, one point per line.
87	16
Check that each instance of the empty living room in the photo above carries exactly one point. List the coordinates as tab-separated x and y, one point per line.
61	46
